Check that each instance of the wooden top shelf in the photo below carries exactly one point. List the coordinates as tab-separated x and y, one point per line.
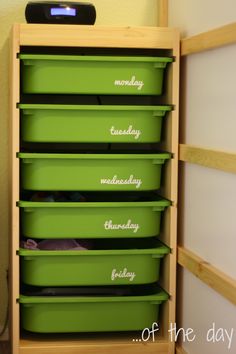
96	36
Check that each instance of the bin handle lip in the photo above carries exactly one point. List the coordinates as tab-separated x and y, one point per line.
159	297
158	251
160	65
160	208
156	109
54	57
156	205
29	210
156	302
155	157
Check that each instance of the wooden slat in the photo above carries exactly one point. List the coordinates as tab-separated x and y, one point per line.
163	13
220	160
91	345
208	40
14	219
97	36
180	350
217	280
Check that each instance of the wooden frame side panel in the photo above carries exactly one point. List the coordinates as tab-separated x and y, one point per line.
14	192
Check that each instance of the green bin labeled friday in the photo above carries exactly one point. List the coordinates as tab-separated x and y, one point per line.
92	267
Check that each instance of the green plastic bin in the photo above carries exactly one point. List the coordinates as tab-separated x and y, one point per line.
92	267
90	314
91	172
91	123
91	219
92	74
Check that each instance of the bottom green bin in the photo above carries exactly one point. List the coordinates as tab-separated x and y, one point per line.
90	314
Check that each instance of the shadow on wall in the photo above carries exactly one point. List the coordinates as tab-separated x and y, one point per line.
10	12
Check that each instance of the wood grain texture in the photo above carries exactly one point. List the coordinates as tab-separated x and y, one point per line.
91	345
171	177
224	161
215	38
163	13
14	191
97	36
210	275
171	131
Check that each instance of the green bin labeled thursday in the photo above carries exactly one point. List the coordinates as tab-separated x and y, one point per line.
68	74
91	172
91	219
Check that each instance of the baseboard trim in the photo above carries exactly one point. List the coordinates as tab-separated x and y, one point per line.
180	350
5	336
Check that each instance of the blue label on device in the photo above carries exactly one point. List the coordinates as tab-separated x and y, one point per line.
65	11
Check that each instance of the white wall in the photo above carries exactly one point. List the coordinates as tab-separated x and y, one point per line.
203	307
209	196
195	16
116	13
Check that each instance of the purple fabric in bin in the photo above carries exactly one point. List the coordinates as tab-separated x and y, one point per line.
57	244
29	244
61	245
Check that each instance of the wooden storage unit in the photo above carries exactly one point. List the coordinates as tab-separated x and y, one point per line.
164	40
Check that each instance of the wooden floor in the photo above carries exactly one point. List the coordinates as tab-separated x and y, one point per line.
4	348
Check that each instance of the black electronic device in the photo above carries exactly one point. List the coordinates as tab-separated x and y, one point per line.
60	12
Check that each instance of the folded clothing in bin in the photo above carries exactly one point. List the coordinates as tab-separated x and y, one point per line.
57	197
56	244
109	290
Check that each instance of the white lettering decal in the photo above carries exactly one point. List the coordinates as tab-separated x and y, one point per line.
115	180
130	131
108	225
132	82
122	274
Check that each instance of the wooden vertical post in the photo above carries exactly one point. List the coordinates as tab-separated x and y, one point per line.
14	143
163	13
